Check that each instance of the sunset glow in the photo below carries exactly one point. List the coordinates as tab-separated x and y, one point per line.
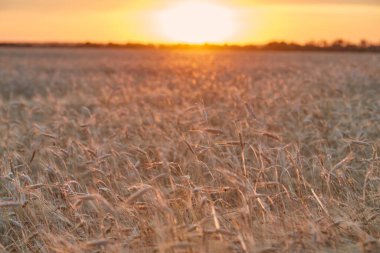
189	21
197	22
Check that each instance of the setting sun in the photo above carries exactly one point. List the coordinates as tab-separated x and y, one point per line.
196	22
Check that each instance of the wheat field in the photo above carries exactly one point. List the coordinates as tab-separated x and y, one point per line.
106	150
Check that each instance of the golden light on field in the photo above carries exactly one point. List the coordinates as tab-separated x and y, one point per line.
197	22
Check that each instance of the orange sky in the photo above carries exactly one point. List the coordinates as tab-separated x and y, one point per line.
256	21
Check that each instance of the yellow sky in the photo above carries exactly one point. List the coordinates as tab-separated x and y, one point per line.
136	20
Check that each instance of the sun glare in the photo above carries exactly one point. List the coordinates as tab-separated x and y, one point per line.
197	22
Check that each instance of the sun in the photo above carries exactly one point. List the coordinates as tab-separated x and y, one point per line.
197	22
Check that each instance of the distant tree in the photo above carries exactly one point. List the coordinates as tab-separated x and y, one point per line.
323	44
338	44
364	44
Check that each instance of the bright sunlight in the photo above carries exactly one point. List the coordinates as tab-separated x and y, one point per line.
196	22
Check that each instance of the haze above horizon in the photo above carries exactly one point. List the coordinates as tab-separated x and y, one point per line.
170	21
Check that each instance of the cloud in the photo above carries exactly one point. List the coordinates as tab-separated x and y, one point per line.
282	2
68	5
106	5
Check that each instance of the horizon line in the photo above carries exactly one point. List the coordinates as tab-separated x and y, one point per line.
313	46
158	43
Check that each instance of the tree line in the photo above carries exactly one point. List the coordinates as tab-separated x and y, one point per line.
320	46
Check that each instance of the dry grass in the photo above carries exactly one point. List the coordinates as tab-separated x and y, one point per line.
122	151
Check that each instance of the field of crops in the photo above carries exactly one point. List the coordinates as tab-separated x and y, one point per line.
108	150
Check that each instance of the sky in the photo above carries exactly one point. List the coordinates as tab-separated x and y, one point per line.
254	21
